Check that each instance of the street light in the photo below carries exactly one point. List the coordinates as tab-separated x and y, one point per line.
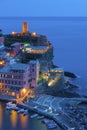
23	90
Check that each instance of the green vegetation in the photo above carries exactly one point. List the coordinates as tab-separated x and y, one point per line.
9	39
40	79
1	35
27	44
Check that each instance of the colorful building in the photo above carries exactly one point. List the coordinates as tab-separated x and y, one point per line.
17	78
14	49
25	27
1	40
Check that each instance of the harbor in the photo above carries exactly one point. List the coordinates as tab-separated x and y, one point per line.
52	108
48	122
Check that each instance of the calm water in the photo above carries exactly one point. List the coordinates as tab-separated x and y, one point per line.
14	121
69	38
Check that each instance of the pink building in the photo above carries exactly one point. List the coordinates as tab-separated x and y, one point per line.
1	40
17	78
14	49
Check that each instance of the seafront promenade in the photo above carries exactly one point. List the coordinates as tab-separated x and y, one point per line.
51	107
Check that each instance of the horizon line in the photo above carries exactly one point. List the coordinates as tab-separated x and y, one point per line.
44	16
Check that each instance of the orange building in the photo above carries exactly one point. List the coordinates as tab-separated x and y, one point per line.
24	27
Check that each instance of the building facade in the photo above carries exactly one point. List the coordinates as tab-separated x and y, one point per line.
14	49
25	27
1	40
17	78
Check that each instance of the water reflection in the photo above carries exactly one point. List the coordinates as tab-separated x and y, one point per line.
23	120
1	115
14	118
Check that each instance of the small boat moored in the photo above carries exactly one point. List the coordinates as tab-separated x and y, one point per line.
21	111
50	123
34	115
40	117
25	112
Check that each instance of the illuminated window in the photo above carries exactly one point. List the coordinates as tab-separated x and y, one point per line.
13	93
17	96
1	85
12	76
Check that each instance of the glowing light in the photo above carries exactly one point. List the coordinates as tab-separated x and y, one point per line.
1	62
17	96
1	85
23	91
14	118
34	34
8	54
1	116
24	121
13	33
50	108
50	83
13	93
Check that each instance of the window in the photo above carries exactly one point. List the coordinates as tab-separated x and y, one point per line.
12	82
2	81
19	82
5	81
32	65
15	82
32	70
24	82
12	76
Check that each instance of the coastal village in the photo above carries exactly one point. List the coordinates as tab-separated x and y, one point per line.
29	78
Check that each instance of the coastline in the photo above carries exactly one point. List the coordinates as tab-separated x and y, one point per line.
66	93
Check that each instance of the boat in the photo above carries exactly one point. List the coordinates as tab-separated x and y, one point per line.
40	117
45	121
25	112
51	126
8	103
21	111
50	123
16	108
34	115
11	106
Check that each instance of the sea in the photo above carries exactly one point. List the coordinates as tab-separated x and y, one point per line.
68	35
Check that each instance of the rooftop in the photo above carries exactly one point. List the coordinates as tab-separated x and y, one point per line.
14	66
34	61
16	43
36	47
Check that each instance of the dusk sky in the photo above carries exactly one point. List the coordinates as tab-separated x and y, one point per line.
43	8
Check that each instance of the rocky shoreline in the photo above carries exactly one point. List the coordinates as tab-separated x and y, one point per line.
70	74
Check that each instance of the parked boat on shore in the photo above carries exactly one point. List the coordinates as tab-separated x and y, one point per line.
11	106
9	103
40	117
25	112
20	111
50	123
34	115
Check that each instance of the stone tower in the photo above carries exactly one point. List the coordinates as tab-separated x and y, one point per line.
25	27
